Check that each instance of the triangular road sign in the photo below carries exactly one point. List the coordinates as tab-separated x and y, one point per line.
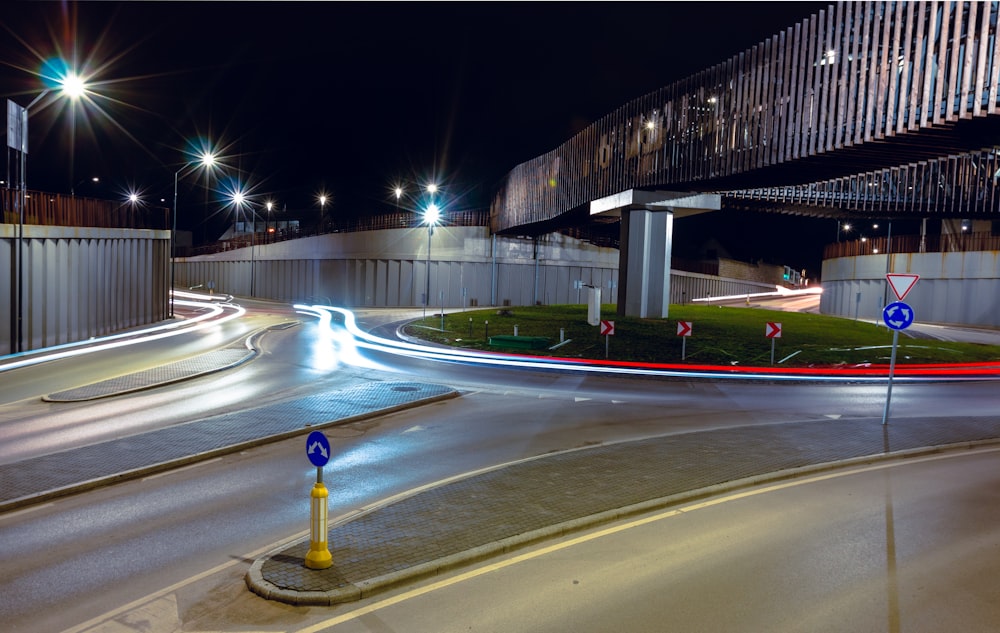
901	283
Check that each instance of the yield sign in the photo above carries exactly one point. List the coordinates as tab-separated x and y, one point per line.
684	328
901	284
772	330
607	328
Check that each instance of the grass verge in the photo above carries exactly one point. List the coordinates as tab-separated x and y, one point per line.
720	336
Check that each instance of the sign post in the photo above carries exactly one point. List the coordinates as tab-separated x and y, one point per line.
772	331
898	316
607	330
318	556
684	331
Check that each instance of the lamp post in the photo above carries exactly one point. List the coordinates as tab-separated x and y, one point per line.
431	217
207	160
74	87
242	202
72	190
323	199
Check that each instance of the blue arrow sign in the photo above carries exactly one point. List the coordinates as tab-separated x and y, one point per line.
897	315
318	449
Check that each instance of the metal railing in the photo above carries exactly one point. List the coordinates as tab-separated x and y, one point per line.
400	220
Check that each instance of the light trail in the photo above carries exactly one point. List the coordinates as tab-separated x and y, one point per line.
205	320
869	374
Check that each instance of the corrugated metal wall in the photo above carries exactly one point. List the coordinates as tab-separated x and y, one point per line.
83	282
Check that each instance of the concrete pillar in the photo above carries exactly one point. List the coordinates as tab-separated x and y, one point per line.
646	242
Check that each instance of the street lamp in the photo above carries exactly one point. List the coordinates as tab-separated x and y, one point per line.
267	228
72	190
206	159
431	217
323	199
844	225
74	87
242	202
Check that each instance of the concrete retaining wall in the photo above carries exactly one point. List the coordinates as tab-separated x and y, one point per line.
954	287
467	267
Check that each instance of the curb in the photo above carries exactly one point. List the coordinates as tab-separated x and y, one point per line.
151	469
352	592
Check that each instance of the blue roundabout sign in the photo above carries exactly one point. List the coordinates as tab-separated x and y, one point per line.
898	315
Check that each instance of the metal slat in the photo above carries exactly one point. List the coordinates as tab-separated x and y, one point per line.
864	61
906	71
954	66
895	70
798	86
982	56
884	66
812	81
828	84
846	90
940	80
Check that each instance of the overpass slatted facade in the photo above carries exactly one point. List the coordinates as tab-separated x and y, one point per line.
901	93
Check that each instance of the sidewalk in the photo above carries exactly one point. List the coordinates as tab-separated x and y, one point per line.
493	512
75	470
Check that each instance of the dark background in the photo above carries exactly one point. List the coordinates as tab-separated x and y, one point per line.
352	98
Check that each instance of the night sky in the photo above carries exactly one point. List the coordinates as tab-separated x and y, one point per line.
346	98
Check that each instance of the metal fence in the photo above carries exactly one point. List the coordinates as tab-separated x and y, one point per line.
955	242
399	220
53	209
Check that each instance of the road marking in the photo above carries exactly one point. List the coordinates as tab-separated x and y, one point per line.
581	399
441	584
182	468
414	429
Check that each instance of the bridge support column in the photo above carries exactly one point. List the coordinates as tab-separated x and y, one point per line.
645	244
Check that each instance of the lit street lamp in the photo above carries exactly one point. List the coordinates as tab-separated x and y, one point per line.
74	87
242	202
72	190
323	199
431	217
844	225
207	160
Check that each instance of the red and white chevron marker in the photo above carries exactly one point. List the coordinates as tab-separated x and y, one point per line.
772	330
684	328
607	328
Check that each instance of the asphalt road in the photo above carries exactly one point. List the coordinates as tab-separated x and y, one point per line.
168	534
903	546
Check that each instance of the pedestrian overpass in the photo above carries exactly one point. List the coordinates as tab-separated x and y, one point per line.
864	109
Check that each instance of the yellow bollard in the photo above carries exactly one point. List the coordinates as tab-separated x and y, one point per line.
319	556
